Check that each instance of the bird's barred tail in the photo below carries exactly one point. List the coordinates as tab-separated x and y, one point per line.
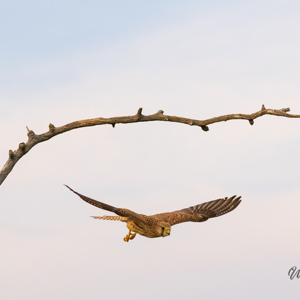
112	218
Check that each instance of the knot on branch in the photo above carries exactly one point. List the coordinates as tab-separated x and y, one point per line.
285	109
160	112
251	121
263	107
51	128
30	133
204	127
113	125
139	113
11	154
22	146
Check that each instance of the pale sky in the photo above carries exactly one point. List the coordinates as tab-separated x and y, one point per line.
70	60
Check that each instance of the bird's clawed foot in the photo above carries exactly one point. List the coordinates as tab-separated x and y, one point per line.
129	236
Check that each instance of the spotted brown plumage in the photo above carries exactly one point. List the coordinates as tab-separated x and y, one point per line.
159	225
201	212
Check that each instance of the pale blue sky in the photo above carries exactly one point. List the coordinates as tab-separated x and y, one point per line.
63	61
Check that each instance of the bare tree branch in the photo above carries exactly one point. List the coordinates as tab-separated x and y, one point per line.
34	139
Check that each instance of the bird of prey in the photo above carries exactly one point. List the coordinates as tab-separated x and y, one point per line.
160	225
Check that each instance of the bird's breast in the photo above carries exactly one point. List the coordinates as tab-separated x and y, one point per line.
144	229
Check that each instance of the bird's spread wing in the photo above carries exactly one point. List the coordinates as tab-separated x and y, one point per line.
119	211
200	212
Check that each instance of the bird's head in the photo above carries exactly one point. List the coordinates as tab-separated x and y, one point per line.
165	228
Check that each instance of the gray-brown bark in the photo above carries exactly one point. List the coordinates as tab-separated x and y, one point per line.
34	139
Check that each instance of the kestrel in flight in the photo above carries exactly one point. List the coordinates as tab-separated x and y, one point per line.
160	225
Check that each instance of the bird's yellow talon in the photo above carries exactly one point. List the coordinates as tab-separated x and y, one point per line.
132	236
129	236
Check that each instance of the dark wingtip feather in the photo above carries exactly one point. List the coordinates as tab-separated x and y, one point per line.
229	206
68	187
71	190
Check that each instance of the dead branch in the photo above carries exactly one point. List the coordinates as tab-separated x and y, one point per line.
34	139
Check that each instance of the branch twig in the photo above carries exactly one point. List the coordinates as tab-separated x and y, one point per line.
34	139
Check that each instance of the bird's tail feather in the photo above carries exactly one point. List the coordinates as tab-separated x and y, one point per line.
112	218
